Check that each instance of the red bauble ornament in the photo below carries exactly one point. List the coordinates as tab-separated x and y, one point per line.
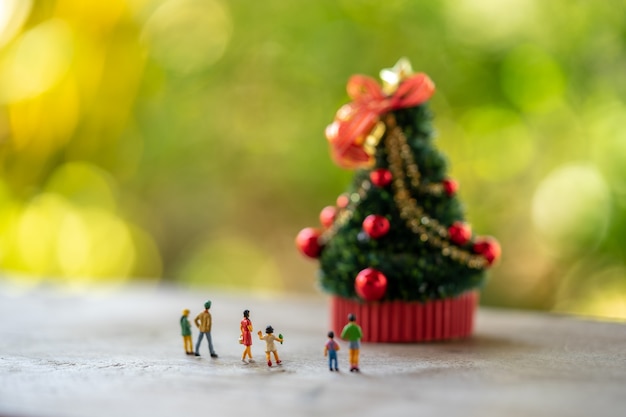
376	226
327	216
343	201
460	233
307	242
450	186
370	284
381	177
489	248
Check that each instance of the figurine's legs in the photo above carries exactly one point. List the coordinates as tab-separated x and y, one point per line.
211	350
278	361
354	359
200	336
187	344
332	359
247	352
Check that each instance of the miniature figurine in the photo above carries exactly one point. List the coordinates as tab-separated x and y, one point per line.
330	349
269	344
203	323
353	333
246	337
185	328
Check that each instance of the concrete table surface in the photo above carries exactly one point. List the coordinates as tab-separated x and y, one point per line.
118	352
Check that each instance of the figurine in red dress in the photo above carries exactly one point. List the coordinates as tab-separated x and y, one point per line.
246	337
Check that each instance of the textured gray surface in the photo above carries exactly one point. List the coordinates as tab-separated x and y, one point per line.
119	352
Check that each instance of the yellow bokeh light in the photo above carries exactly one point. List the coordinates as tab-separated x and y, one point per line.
95	244
37	231
84	185
13	13
73	245
71	231
47	122
36	61
571	209
489	21
56	239
9	215
92	15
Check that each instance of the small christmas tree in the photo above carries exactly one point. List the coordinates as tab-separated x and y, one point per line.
395	248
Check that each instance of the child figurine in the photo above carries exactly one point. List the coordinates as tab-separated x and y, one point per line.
246	337
330	349
269	344
203	322
185	328
352	332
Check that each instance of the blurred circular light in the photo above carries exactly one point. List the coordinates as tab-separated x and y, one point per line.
36	234
489	22
95	244
83	184
571	209
13	13
188	36
37	61
74	245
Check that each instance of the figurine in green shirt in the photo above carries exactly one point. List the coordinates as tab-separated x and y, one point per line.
352	333
185	328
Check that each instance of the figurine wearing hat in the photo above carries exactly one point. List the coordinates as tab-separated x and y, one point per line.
203	323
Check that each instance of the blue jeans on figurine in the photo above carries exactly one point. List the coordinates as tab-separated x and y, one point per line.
208	338
332	358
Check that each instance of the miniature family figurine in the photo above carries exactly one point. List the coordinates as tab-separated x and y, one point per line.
351	332
246	339
330	349
203	323
269	344
186	331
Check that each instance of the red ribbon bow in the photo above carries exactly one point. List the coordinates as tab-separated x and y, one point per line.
355	120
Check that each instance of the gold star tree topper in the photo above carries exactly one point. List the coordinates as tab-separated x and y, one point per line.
392	77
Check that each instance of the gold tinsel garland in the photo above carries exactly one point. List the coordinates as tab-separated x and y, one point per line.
402	167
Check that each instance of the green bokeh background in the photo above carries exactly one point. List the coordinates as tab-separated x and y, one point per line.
183	140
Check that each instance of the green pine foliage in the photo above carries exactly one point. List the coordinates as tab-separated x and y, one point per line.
415	271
